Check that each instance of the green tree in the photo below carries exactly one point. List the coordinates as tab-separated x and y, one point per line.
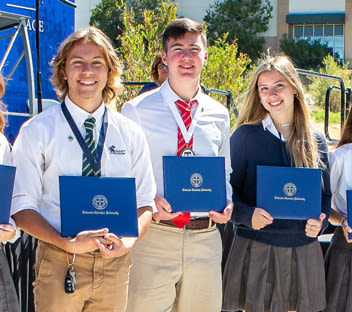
319	86
107	16
139	6
241	19
305	54
225	67
141	42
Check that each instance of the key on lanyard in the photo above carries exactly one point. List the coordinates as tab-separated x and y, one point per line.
70	279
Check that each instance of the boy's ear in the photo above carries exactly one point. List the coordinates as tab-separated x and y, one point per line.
164	58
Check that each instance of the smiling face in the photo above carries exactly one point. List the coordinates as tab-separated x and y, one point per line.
185	58
86	72
276	95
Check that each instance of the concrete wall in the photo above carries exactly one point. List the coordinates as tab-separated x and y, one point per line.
82	15
282	11
194	9
321	6
272	31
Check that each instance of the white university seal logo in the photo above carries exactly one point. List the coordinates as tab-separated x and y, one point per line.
290	189
100	202
196	180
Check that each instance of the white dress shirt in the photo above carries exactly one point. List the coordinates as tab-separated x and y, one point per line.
155	111
6	159
340	161
5	151
46	148
268	124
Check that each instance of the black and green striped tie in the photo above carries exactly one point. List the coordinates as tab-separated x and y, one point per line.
87	169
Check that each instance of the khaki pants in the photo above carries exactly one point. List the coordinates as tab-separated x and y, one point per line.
102	284
176	270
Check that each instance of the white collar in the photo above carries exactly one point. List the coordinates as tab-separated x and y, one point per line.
79	115
170	94
268	124
169	98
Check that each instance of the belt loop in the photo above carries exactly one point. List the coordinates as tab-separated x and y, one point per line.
210	222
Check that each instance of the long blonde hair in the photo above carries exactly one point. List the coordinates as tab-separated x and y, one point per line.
301	145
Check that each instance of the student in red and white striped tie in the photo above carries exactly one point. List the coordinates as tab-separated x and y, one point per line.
177	264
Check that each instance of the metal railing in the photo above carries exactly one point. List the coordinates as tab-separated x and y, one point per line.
327	108
344	97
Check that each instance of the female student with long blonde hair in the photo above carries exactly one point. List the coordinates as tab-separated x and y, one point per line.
274	265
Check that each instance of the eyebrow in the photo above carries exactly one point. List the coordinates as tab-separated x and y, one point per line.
280	80
177	44
81	57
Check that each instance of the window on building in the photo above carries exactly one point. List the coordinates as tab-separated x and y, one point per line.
332	35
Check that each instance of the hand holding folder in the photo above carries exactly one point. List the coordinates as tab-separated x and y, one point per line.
90	203
289	193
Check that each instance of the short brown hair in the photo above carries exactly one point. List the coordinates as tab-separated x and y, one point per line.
179	27
95	35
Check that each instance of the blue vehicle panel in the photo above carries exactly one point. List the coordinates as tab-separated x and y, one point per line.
56	23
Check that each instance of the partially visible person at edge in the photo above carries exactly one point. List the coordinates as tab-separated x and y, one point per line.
159	74
8	297
338	258
275	265
86	75
177	267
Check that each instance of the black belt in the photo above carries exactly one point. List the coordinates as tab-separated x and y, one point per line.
193	224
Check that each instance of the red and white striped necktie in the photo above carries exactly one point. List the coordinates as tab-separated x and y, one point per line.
185	109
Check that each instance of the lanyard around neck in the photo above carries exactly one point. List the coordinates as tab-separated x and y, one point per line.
94	162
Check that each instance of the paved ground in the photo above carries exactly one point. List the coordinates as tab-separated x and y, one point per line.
334	131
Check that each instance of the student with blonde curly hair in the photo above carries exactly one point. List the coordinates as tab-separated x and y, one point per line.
56	143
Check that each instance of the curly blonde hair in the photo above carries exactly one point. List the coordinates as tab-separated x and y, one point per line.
95	35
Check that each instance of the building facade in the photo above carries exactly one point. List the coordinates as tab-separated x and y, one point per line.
324	20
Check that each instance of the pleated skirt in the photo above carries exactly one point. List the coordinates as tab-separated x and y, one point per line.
338	267
8	296
260	277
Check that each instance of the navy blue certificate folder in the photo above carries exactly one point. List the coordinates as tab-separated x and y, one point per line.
289	193
7	178
196	184
349	210
91	203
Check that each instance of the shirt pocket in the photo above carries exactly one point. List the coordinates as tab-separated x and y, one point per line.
207	139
